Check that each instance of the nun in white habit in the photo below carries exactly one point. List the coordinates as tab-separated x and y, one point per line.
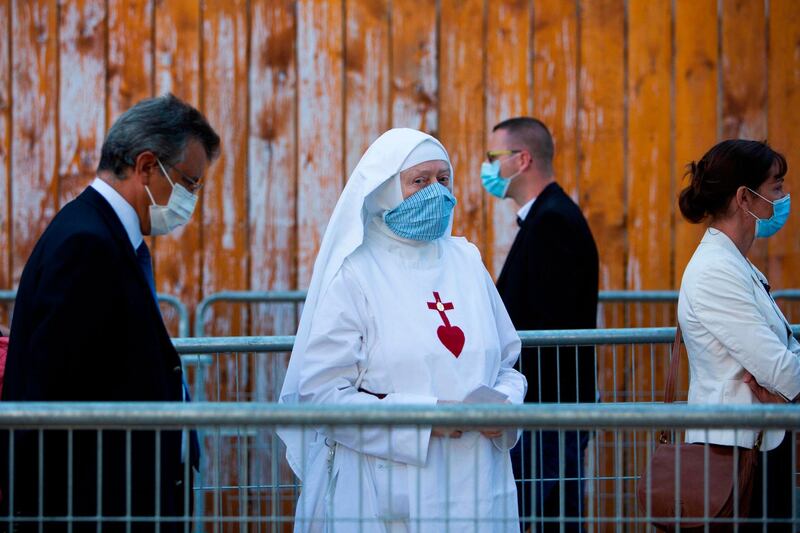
401	312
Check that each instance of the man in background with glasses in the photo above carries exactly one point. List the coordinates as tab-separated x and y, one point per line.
549	281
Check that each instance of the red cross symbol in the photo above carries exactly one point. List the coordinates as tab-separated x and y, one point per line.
441	307
451	336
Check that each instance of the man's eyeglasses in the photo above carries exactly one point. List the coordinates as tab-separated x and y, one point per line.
191	183
493	155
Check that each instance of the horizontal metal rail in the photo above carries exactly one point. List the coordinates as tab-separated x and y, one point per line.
565	337
299	296
169	299
637	296
242	297
119	415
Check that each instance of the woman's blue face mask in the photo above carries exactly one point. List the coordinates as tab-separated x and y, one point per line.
767	227
423	216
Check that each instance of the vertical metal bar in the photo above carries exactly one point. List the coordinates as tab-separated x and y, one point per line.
99	480
794	478
40	488
677	481
128	480
274	479
706	480
558	374
735	467
217	481
561	482
11	482
157	480
653	351
70	487
614	371
618	481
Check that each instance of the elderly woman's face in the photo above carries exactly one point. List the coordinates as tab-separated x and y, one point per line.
420	176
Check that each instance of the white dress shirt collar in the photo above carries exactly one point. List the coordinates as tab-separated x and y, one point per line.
525	209
125	212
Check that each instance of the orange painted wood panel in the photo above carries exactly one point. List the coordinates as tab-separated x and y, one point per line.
461	116
601	133
601	183
649	161
5	149
225	240
555	84
321	173
696	117
784	132
130	71
508	87
82	92
744	82
272	161
367	76
414	83
272	183
34	157
177	256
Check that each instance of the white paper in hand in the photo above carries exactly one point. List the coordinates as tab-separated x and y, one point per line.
484	394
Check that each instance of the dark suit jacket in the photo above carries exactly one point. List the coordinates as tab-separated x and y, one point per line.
86	328
550	281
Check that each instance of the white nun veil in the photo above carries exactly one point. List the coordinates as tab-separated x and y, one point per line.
344	234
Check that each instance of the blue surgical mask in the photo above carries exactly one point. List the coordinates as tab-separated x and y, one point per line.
767	227
493	182
423	216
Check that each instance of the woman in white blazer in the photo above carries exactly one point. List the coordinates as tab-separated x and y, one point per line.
740	346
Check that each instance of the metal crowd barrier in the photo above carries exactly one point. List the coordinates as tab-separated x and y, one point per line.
263	496
169	300
630	365
616	308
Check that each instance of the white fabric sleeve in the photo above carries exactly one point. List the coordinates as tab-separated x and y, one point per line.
509	381
331	363
724	304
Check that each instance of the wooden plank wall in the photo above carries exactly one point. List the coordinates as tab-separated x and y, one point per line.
632	90
298	89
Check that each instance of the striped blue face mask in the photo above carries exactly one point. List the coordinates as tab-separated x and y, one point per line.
423	216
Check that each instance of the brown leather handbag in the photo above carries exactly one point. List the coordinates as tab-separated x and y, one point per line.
701	499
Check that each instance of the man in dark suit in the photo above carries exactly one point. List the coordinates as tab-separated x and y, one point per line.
87	327
549	281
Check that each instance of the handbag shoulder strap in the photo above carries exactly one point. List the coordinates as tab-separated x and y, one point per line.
672	377
674	365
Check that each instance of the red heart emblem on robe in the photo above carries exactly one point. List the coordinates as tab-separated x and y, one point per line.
452	337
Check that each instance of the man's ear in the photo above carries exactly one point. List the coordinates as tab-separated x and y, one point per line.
145	165
526	160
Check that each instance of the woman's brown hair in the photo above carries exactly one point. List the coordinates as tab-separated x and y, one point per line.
714	180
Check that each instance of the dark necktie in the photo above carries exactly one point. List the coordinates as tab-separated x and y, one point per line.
519	221
146	264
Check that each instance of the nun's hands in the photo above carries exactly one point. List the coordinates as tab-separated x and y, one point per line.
493	433
449	432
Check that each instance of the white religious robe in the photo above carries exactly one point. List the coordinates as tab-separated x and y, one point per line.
420	324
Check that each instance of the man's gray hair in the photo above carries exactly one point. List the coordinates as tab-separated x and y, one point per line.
161	125
533	135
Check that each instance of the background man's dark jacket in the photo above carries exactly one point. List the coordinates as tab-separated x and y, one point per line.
86	328
550	281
